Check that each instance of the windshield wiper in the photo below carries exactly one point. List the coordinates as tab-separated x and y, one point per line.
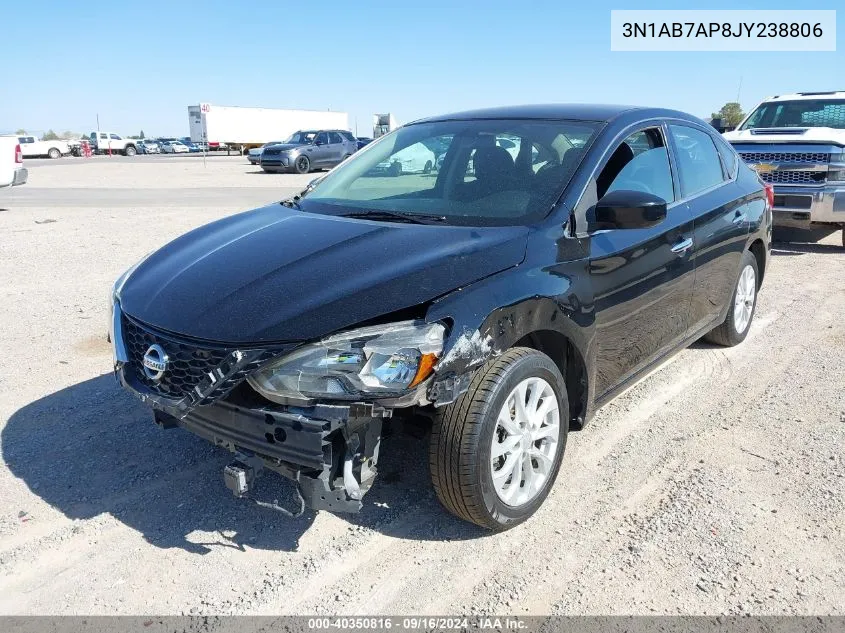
396	216
292	203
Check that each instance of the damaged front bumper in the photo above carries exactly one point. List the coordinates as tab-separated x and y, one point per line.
331	452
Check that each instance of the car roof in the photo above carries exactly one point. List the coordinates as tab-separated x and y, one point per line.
571	111
802	96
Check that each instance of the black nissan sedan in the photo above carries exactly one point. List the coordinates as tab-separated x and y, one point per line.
554	256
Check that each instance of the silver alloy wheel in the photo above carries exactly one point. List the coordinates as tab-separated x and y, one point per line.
746	291
525	441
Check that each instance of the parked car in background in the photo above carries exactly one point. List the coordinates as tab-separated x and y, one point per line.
307	150
505	308
109	142
174	147
192	147
31	147
12	171
147	146
415	159
362	141
796	142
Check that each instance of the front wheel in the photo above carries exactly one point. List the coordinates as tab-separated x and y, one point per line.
496	451
54	153
302	165
735	327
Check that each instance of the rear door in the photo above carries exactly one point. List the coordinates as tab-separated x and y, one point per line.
642	278
720	218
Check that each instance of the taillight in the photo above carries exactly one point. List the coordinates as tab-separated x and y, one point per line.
770	195
18	154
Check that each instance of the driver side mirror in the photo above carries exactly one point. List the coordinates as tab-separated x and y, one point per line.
628	210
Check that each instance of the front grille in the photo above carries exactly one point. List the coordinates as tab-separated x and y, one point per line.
189	365
272	152
785	157
794	177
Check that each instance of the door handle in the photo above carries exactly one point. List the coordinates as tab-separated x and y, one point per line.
739	217
683	246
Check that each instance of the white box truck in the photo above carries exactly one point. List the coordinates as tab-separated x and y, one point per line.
244	128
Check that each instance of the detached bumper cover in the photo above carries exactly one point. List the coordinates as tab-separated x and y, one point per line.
20	177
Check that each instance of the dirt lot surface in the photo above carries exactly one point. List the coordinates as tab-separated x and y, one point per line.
713	486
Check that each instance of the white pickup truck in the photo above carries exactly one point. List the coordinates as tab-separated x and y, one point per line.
797	143
31	147
12	171
109	142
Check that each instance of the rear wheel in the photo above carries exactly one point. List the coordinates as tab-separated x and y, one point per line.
130	150
302	165
427	168
735	327
54	153
496	451
395	169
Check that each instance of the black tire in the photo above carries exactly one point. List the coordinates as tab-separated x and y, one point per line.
395	169
462	435
427	168
130	150
302	165
726	333
54	153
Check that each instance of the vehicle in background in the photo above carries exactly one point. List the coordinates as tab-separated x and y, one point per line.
796	142
111	143
192	147
383	124
363	141
148	146
174	147
245	128
414	159
31	147
505	309
12	171
254	155
307	150
217	147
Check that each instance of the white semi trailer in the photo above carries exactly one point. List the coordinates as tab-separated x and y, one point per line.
244	128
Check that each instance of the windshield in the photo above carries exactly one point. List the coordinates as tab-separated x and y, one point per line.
800	113
481	172
302	137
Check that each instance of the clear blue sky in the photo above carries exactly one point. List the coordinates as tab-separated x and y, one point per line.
140	64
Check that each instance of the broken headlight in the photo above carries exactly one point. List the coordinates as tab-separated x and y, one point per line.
382	361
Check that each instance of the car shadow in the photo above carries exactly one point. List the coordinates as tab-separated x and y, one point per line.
91	448
803	248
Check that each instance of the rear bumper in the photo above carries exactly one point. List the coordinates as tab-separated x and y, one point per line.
800	206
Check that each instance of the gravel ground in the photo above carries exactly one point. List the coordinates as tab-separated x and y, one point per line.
713	486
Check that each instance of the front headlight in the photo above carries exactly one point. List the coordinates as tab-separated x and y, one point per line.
378	361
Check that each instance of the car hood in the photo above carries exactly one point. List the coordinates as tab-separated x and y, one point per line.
788	135
287	146
275	274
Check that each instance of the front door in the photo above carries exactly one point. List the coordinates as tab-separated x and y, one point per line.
320	151
642	278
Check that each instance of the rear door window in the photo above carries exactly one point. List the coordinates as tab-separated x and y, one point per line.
335	138
699	166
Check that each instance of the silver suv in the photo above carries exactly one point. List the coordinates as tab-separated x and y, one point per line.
307	150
